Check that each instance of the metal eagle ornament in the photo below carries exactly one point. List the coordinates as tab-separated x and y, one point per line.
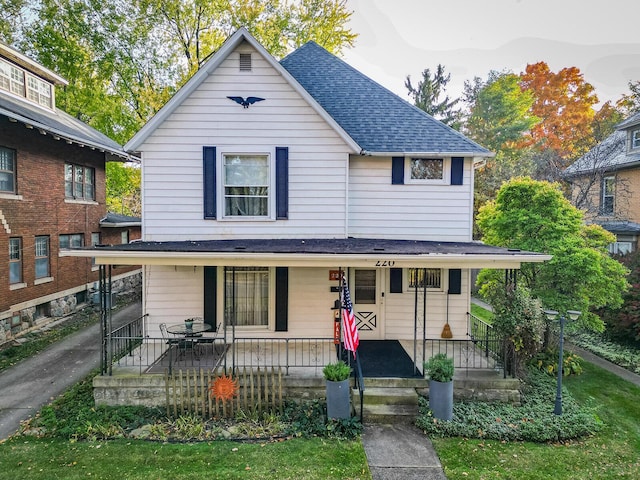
245	102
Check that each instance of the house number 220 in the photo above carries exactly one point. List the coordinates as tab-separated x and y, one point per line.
385	263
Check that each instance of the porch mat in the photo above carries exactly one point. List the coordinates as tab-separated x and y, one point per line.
385	358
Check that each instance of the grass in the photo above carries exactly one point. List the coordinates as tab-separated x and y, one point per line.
611	453
35	459
481	313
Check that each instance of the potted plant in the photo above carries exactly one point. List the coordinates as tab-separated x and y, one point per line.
439	370
338	389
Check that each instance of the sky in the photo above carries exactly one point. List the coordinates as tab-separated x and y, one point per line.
471	37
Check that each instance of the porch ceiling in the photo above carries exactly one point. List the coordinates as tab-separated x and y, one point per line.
314	252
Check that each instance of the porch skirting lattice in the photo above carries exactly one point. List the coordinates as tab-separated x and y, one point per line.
190	392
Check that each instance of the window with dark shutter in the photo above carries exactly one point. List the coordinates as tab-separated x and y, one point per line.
282	299
397	170
457	170
455	281
395	280
210	296
282	183
209	186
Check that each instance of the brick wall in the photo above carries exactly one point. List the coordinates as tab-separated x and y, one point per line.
43	210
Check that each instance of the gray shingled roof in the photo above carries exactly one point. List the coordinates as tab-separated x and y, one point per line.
329	246
629	122
118	220
377	119
609	155
621	226
57	123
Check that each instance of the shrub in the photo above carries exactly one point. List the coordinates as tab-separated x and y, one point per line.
439	368
624	323
532	421
547	362
336	372
517	319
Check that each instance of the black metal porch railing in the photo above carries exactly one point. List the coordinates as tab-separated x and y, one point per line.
486	338
129	347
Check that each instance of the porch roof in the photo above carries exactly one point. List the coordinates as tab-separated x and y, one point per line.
311	252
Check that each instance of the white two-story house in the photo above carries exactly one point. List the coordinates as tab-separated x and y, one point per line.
264	181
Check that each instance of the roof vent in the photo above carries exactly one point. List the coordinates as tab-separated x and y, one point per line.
245	62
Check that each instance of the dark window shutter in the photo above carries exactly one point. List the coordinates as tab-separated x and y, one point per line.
209	187
210	296
455	281
395	280
282	299
457	170
397	170
282	182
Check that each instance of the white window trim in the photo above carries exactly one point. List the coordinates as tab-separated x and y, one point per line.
25	93
634	139
10	196
271	322
407	288
603	196
220	200
446	171
43	280
17	286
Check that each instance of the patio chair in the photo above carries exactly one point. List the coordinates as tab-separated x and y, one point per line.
211	340
180	344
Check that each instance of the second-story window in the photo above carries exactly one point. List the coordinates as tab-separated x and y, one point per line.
246	185
75	240
11	78
635	139
7	170
79	182
39	91
607	202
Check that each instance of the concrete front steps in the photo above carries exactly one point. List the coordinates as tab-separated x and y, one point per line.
390	400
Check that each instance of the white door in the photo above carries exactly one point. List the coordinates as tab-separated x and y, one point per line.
366	298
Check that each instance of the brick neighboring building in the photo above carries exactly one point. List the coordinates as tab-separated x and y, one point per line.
52	196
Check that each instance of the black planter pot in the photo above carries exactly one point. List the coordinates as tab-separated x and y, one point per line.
441	399
338	399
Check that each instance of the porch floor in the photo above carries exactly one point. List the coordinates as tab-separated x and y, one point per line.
298	359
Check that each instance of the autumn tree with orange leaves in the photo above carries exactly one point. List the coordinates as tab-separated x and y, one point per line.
564	102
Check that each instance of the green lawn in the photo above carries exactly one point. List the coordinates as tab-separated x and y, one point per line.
613	453
481	313
34	459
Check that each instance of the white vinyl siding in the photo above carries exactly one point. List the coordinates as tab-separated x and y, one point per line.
378	209
175	293
173	165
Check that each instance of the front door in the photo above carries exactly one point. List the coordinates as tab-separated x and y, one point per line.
366	296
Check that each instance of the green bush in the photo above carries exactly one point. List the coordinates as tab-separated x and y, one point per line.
308	419
547	362
625	356
439	368
336	372
623	323
533	421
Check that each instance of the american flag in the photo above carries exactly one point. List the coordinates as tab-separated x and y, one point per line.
350	329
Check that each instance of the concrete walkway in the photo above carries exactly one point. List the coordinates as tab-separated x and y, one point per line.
400	452
34	382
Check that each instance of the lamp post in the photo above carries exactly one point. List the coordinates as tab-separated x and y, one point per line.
552	315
